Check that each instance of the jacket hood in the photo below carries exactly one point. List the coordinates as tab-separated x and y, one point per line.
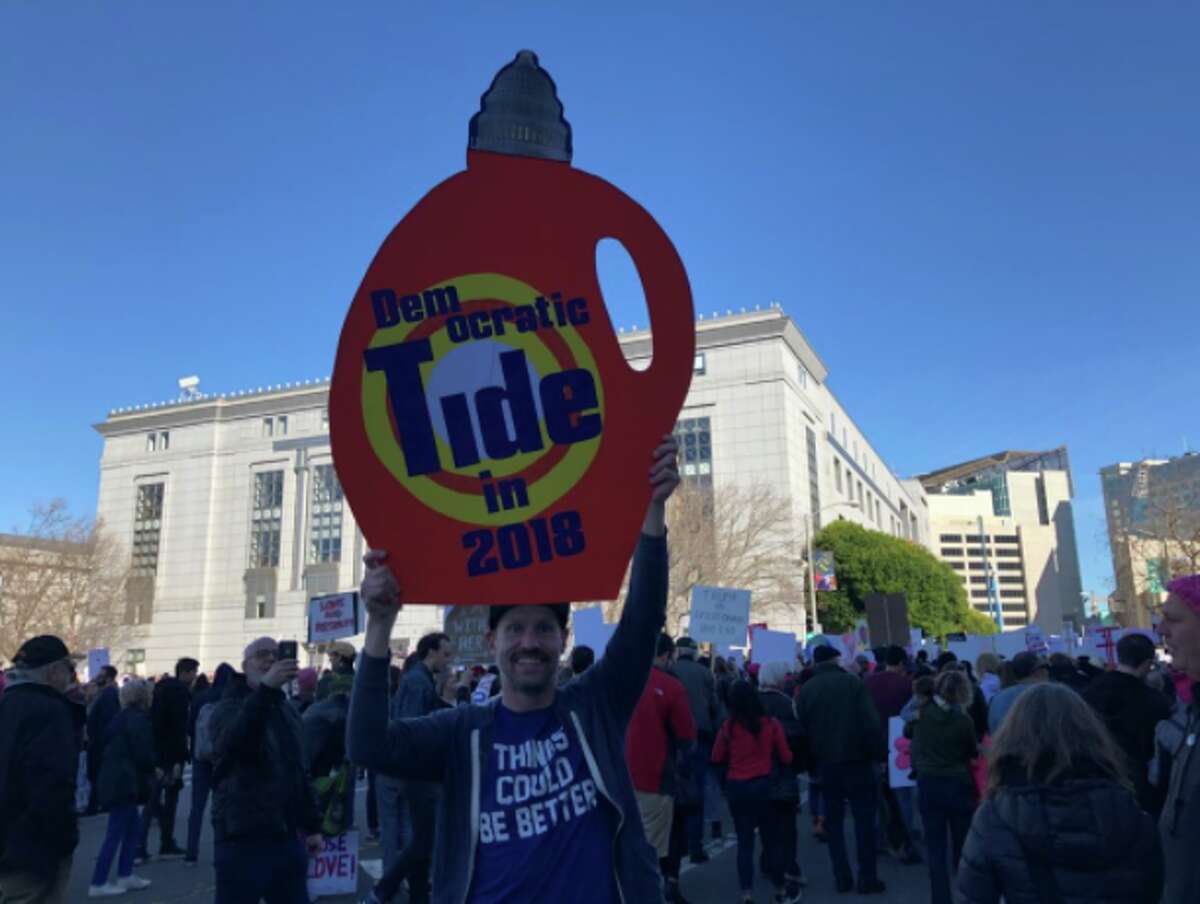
1082	825
221	679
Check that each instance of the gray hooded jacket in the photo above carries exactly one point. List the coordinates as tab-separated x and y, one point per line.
450	746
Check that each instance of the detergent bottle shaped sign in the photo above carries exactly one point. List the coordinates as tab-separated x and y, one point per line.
487	430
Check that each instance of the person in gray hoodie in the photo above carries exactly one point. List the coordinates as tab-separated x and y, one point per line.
537	802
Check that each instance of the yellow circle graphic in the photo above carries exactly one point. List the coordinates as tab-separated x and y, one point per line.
472	507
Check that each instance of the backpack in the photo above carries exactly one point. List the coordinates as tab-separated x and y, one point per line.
330	792
204	740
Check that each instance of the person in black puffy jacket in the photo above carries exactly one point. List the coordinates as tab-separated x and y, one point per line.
1060	823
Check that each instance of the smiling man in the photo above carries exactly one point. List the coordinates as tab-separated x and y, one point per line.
537	803
1179	824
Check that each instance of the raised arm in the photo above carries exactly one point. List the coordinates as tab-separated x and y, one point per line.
625	665
406	748
237	728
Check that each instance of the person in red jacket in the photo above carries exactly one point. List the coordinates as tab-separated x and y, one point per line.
750	744
662	727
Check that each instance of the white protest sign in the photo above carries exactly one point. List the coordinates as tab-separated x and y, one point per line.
591	630
1035	641
332	617
719	614
334	871
1056	643
968	650
96	660
1008	644
899	755
915	640
772	646
1100	643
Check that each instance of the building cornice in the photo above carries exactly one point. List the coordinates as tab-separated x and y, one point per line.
736	329
164	415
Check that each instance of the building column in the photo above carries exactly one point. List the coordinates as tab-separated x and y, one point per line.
298	551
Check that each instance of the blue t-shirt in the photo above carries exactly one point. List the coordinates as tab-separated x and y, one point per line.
544	834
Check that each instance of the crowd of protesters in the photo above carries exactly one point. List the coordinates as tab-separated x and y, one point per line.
592	777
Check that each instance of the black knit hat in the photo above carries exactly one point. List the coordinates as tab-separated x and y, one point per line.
41	650
562	611
824	653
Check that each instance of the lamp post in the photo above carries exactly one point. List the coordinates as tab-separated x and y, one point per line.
812	572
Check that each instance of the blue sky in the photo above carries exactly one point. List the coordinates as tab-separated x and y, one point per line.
984	216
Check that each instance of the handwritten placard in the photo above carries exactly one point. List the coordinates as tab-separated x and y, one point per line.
332	616
719	614
334	871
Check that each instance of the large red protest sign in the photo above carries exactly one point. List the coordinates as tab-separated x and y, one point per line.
487	430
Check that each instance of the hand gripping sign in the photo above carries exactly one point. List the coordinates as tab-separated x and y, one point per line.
487	430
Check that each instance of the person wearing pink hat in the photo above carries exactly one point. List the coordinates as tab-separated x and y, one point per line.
1180	821
306	689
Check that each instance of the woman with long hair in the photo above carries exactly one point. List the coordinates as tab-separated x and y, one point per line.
784	806
124	783
943	745
750	743
988	667
1060	822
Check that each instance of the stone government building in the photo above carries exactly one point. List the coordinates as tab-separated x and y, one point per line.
235	517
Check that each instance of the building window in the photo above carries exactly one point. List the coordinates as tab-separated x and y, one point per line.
878	512
1009	566
957	566
801	376
979	594
147	529
268	426
160	441
1012	594
147	537
281	425
977	566
833	423
1011	579
260	605
325	527
837	475
1006	538
325	419
1008	552
951	538
861	504
814	483
951	551
699	364
266	519
695	438
1042	504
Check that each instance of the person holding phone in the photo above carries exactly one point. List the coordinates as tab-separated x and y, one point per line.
263	801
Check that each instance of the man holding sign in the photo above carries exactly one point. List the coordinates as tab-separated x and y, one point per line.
537	803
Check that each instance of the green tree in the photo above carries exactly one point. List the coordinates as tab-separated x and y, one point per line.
869	562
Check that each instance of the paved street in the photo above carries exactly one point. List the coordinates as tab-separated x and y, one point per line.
711	883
